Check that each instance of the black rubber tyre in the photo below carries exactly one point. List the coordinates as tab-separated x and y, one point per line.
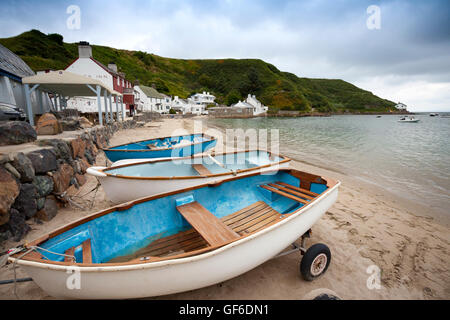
315	261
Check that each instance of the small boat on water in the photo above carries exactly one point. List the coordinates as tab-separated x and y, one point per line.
183	240
408	120
126	182
434	114
174	146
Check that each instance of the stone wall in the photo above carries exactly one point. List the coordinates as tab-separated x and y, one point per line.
34	184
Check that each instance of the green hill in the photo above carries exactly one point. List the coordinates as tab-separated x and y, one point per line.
229	80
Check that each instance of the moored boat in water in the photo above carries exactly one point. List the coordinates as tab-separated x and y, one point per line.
408	120
173	146
183	240
130	180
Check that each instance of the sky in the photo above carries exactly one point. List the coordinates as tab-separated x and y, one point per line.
399	50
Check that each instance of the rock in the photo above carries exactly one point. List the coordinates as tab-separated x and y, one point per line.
85	123
84	164
40	202
78	147
8	193
61	147
43	160
16	132
48	125
50	209
19	228
70	125
89	156
80	179
12	170
62	178
44	185
24	166
26	201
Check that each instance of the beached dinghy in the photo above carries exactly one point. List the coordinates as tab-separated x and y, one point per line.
136	180
183	240
167	147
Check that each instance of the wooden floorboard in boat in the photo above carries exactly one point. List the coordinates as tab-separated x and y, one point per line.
254	217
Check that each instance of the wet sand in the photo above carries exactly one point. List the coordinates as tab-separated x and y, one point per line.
367	230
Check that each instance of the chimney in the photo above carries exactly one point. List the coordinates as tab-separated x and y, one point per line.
84	50
112	66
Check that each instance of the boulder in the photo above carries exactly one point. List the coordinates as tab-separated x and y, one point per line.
50	209
81	179
61	147
40	202
84	164
43	160
78	147
70	125
44	185
8	193
12	170
62	178
85	123
48	125
24	166
16	132
17	224
26	201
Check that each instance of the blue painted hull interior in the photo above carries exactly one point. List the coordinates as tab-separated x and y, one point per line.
121	233
179	146
180	168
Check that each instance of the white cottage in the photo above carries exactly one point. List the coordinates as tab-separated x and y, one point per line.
253	103
181	105
400	106
87	66
151	100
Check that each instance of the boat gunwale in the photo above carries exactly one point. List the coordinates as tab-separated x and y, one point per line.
212	175
160	261
211	138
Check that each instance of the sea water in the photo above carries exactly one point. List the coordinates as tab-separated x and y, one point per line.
411	160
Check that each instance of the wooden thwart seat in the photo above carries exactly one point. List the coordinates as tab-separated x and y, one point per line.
201	169
296	193
206	224
297	189
87	252
284	194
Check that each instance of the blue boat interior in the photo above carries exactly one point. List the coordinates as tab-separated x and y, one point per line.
184	222
226	163
178	146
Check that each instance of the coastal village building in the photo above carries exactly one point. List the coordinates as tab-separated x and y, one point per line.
200	101
181	105
12	70
251	102
150	100
400	106
87	66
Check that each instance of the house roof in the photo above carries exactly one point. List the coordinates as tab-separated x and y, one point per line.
151	92
13	65
242	104
66	83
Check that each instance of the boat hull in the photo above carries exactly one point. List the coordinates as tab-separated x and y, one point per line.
122	189
179	275
184	151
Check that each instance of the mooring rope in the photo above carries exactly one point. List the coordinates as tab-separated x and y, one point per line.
30	249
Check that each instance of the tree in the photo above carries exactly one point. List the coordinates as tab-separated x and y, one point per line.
233	97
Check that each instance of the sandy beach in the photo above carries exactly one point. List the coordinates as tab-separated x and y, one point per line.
367	230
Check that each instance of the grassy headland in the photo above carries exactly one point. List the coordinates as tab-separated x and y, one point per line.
229	80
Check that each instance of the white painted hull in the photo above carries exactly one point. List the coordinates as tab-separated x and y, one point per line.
120	190
179	275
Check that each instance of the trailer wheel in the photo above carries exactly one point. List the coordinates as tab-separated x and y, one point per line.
315	261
